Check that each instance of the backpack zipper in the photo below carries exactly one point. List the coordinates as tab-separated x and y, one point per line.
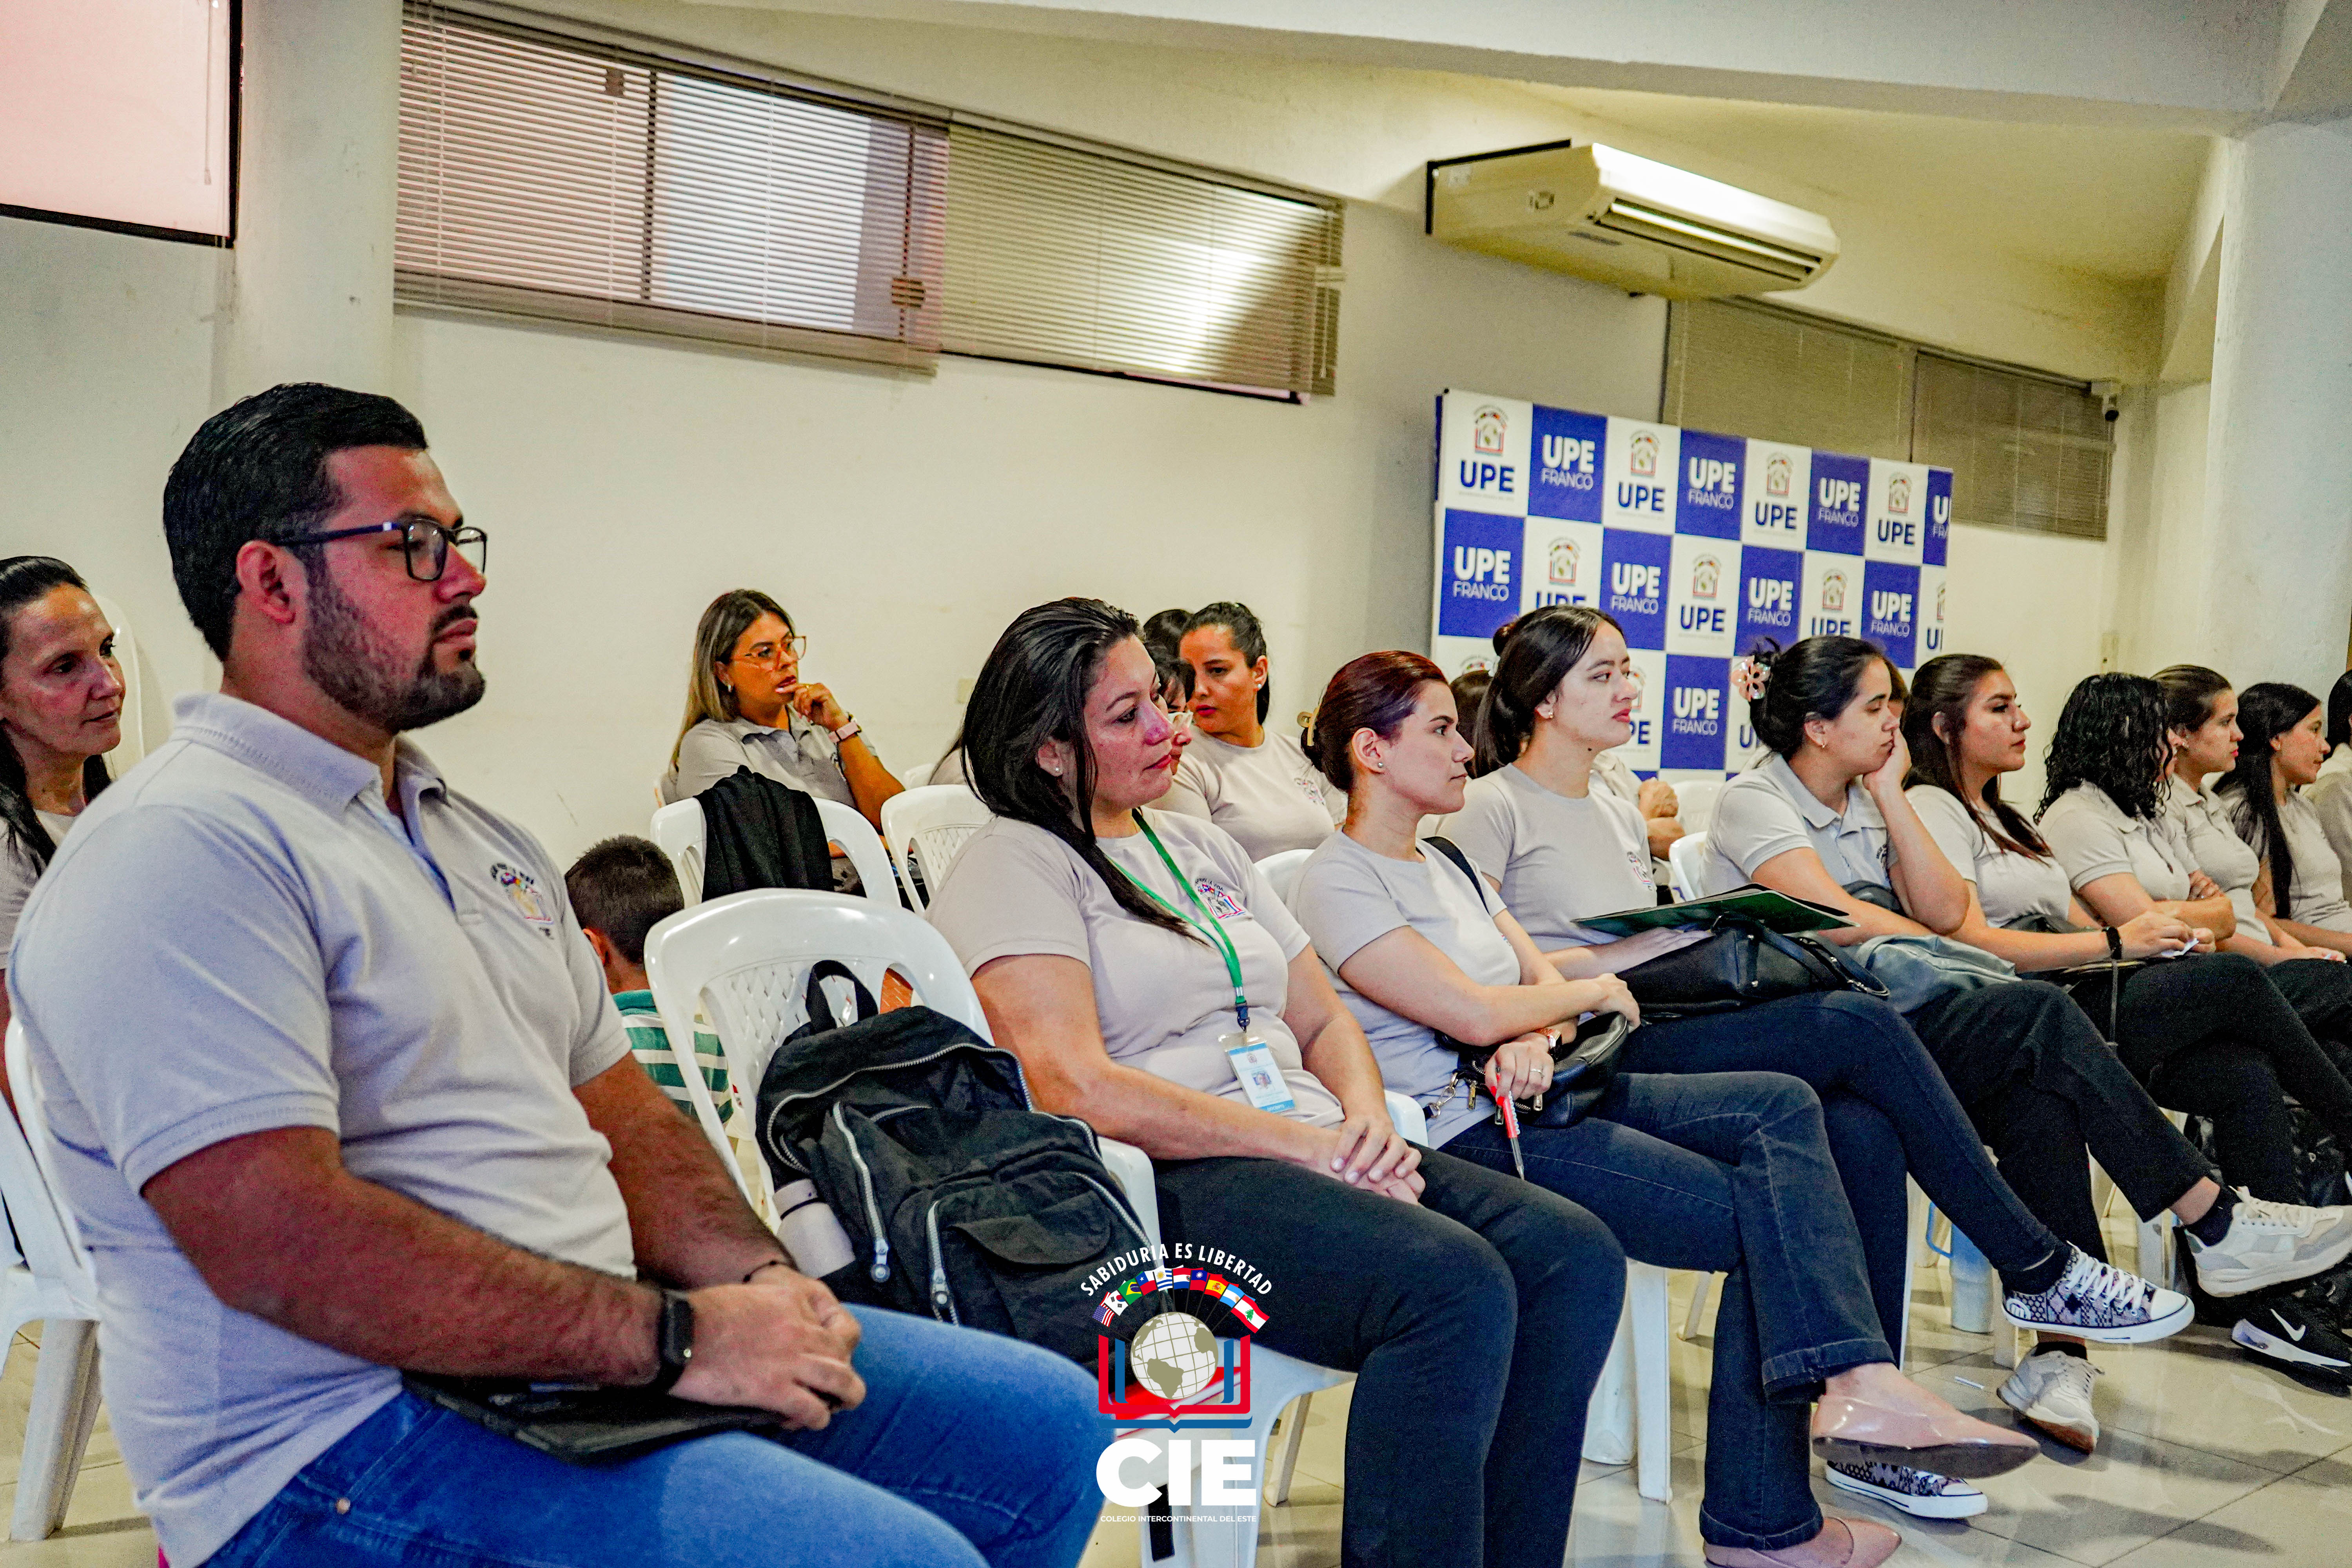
942	1297
880	1268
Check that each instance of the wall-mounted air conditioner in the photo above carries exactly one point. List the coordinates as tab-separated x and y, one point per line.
1616	219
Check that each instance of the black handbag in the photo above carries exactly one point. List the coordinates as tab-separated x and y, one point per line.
1739	963
1582	1068
1582	1065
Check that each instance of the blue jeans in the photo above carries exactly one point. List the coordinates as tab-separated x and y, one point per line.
1730	1173
968	1449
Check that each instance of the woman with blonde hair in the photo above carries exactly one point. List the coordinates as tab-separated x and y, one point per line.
747	707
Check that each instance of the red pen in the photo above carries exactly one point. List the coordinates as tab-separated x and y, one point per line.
1511	1133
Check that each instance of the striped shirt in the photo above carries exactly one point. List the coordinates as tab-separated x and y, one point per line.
649	1042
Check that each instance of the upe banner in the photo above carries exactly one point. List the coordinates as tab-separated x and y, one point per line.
1699	545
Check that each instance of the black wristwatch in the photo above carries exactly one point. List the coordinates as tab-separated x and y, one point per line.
2115	945
673	1341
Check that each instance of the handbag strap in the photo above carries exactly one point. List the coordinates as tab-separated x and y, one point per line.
1453	851
1819	960
820	1006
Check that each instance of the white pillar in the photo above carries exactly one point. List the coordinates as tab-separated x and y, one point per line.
308	284
2278	495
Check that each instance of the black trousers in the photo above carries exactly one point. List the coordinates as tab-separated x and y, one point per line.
2042	1088
2320	992
1476	1322
2213	1037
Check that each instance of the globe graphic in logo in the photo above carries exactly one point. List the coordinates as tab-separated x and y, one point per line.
1175	1356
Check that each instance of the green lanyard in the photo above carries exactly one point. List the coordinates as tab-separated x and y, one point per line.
1206	925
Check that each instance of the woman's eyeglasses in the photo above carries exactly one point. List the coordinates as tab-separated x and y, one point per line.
772	654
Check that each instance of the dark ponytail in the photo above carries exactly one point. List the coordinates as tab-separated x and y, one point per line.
1034	690
1376	691
1816	679
2265	712
1543	646
1248	639
23	579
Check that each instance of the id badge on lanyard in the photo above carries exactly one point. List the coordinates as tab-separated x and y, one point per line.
1259	1073
1247	1051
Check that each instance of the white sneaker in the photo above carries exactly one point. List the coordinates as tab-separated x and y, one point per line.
1920	1493
2095	1301
2051	1390
2270	1244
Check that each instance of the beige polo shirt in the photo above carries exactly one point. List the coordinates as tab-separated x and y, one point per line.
1163	999
1268	796
799	754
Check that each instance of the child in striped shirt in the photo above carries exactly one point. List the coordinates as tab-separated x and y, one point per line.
622	888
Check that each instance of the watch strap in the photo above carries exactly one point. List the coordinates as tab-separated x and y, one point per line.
673	1341
843	735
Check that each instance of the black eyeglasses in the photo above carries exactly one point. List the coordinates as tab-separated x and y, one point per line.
428	545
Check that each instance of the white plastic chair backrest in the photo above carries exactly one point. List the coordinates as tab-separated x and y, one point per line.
1281	869
915	777
681	834
1407	1118
847	827
744	959
46	1231
1687	857
930	826
1694	804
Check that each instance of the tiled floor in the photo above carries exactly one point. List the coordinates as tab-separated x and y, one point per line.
2207	1460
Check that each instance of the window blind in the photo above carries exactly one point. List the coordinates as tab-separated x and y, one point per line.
566	180
1778	376
1068	256
2025	451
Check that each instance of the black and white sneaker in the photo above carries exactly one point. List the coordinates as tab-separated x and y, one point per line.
1919	1493
2095	1301
2300	1339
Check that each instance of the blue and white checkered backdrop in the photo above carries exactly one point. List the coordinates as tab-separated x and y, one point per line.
1700	545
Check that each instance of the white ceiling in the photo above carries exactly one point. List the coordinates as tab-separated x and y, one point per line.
2110	201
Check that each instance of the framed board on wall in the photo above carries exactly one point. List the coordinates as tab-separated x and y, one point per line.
1700	545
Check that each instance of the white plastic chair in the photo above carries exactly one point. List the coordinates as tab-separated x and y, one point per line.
1687	857
1281	869
918	777
52	1286
743	961
682	835
928	827
1694	804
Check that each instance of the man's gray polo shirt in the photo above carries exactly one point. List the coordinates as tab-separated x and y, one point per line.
240	936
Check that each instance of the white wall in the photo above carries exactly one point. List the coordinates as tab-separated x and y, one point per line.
904	522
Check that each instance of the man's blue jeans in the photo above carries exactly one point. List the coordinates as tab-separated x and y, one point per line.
968	1449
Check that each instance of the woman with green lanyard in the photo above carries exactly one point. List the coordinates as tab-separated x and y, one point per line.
1152	985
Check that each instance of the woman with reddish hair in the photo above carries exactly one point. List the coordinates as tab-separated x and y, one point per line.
1726	1172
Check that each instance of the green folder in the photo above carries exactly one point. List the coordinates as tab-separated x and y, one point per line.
1776	910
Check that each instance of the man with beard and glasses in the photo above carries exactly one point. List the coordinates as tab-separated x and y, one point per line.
336	1089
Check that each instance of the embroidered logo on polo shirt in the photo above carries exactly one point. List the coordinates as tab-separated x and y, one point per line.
523	888
1222	904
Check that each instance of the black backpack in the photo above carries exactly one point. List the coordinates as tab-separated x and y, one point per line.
958	1198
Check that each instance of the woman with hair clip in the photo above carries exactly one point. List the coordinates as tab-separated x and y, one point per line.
2206	1034
747	707
1720	1171
1560	850
2283	748
1152	985
60	713
1823	816
1252	780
